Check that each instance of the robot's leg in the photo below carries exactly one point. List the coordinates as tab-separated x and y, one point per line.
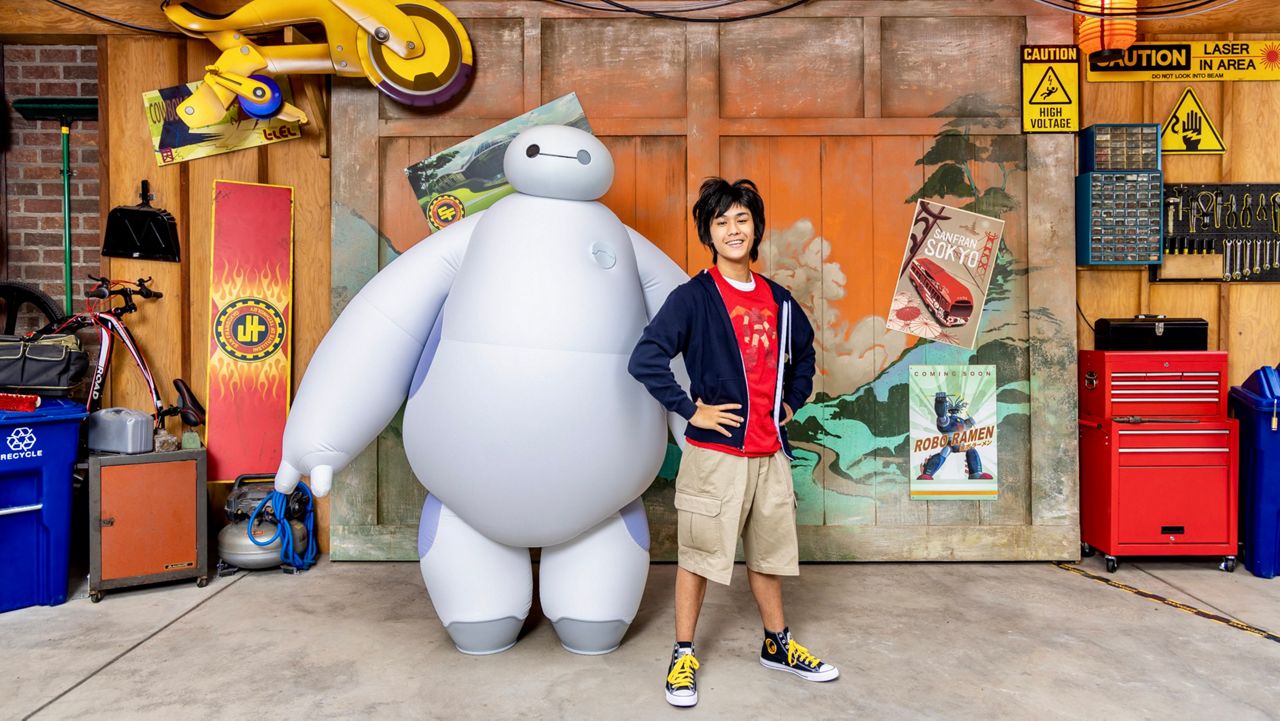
480	588
973	463
591	585
935	462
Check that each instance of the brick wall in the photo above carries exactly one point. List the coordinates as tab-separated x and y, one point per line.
33	246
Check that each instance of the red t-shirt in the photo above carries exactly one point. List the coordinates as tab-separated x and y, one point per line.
754	316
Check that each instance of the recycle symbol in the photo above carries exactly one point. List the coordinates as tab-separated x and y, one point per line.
21	439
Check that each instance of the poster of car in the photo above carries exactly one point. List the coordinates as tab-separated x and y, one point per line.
953	432
468	177
174	142
946	270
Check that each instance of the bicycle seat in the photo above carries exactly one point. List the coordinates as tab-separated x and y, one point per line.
189	409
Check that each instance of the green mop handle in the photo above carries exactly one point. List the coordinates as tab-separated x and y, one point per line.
66	214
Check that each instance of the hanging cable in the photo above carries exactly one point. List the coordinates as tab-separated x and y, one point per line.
113	21
684	8
623	7
1150	11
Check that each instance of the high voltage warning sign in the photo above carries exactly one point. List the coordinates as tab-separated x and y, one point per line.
1050	89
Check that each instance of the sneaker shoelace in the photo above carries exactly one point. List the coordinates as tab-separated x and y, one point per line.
796	652
682	672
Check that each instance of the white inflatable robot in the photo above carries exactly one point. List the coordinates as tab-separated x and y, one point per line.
509	334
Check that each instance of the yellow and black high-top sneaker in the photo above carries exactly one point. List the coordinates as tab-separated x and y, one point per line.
781	652
682	677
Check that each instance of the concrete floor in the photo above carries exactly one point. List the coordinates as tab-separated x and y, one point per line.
946	641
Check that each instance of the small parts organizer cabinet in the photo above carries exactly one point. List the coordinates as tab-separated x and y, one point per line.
1158	489
147	519
1157	456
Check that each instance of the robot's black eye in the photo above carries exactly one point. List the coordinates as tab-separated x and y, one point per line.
584	157
532	151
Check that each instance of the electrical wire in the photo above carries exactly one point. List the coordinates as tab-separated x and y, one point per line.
1172	9
685	8
623	7
1083	318
113	21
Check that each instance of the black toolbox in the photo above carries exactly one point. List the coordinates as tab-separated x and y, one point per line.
1151	332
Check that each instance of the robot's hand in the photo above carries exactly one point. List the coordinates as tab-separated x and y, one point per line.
959	406
321	477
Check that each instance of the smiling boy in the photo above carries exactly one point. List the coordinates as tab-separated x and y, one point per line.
749	350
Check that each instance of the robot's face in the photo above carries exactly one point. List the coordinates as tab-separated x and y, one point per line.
556	161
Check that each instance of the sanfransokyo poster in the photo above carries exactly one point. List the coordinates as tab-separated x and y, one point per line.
953	432
945	272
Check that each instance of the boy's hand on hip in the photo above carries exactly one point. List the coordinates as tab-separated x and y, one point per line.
714	418
787	414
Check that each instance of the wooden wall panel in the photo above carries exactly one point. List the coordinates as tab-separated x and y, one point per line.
922	55
601	60
497	89
1106	294
621	198
1188	300
134	66
759	62
660	212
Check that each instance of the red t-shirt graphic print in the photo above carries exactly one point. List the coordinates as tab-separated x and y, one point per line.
754	317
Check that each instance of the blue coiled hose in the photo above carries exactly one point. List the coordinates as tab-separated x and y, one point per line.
284	531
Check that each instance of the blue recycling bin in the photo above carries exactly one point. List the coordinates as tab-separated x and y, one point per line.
1256	404
37	454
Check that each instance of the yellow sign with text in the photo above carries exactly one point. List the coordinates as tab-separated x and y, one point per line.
1192	60
1189	131
1050	89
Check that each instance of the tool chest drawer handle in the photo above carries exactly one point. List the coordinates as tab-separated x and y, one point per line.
20	509
1219	431
1174	450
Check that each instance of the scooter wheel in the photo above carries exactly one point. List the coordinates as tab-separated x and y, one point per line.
437	76
267	107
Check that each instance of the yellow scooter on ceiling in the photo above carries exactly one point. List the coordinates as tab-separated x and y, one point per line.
416	53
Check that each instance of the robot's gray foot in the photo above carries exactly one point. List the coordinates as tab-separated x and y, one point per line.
590	638
481	638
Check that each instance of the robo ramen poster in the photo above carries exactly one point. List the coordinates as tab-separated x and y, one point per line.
953	432
942	283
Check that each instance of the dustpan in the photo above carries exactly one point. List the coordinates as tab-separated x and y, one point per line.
141	231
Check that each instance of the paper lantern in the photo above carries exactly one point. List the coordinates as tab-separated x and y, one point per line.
1106	38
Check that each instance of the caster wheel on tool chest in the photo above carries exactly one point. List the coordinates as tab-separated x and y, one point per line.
202	582
1086	551
96	597
1228	564
1112	564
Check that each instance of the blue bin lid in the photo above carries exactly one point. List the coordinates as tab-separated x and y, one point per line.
1263	383
51	409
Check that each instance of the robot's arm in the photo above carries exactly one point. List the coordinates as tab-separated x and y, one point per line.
659	275
361	372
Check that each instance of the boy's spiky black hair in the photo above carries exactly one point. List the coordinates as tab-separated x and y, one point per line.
715	197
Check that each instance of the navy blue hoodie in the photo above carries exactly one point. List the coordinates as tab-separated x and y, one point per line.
694	321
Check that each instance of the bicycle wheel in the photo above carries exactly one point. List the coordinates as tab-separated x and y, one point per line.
26	306
433	78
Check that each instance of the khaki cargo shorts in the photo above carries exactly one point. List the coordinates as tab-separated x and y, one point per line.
720	497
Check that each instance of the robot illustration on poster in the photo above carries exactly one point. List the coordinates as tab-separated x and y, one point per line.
953	414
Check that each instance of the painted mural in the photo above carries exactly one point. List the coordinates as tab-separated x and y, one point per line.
852	440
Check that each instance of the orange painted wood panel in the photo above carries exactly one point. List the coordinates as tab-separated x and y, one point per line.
661	212
400	217
921	59
621	198
619	68
760	62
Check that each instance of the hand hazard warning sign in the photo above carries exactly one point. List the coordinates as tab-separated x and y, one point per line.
1050	89
1189	131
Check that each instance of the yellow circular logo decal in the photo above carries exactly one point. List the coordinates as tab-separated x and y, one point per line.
249	329
445	210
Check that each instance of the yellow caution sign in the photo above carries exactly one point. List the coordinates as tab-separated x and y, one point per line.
1050	89
1189	131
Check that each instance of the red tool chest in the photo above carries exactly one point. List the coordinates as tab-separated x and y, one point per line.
1153	384
1153	488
